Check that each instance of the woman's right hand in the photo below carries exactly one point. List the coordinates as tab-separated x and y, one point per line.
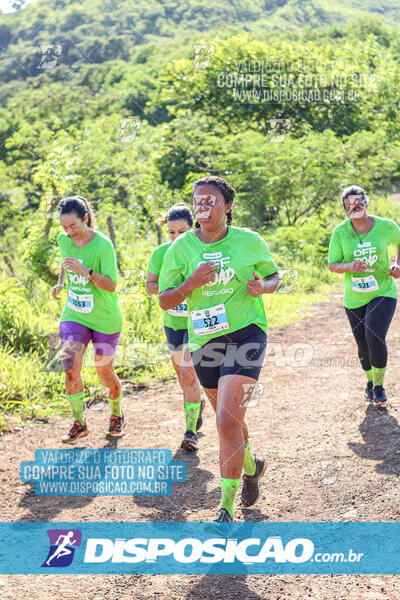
56	290
358	266
203	274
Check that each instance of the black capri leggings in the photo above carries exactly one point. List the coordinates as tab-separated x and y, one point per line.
370	324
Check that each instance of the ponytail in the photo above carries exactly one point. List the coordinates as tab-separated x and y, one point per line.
177	212
80	206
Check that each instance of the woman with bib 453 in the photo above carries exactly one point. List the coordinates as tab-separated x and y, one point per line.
91	312
359	248
222	271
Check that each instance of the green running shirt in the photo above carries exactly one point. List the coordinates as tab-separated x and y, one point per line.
223	305
86	303
176	318
372	247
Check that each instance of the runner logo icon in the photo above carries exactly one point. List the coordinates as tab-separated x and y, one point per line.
62	542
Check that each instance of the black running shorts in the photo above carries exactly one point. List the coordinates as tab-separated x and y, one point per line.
240	352
176	338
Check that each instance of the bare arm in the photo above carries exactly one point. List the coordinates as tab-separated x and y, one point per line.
357	266
394	270
56	289
152	283
61	275
174	296
271	283
104	282
257	286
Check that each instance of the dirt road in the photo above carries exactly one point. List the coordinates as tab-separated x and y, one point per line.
332	457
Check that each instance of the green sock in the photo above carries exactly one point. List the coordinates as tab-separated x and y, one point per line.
229	488
249	464
379	375
192	411
369	374
115	404
76	402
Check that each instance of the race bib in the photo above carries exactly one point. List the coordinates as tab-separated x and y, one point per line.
365	284
209	320
179	311
82	303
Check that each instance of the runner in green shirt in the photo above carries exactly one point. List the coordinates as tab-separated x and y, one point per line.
359	248
179	220
91	311
222	271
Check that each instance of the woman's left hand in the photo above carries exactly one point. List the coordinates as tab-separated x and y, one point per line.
255	286
395	271
74	265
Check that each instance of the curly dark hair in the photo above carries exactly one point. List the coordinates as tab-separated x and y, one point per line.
352	190
223	186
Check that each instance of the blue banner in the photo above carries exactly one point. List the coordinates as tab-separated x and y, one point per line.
103	472
200	548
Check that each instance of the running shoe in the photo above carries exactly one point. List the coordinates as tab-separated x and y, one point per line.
251	487
77	431
116	428
223	515
200	418
189	441
369	391
380	396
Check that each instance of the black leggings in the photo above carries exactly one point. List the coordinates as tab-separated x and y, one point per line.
370	324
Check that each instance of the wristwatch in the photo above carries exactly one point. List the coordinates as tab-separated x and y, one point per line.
90	273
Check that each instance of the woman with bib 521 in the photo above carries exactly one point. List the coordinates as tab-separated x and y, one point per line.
359	248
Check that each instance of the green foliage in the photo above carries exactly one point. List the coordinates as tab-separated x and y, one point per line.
17	330
61	132
324	86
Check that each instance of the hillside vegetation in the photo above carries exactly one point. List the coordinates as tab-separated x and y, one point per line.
131	113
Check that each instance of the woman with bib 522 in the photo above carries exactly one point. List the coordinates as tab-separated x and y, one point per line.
222	271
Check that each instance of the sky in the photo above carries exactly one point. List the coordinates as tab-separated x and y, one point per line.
5	6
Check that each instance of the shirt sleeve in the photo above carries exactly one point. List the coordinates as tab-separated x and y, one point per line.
335	252
265	264
108	261
171	271
395	234
155	262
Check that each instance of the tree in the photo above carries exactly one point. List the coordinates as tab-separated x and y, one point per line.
17	4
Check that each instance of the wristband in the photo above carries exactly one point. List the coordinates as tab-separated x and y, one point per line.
90	273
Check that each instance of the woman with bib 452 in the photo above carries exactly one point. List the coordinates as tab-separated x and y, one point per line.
91	312
359	248
179	220
222	271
